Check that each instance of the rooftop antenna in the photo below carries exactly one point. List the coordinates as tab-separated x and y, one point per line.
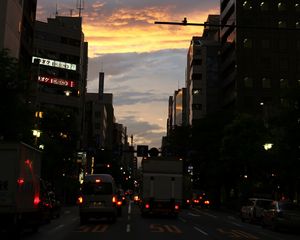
80	6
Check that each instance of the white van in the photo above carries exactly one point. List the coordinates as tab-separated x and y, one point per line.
98	198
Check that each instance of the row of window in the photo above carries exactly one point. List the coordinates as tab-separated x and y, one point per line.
267	82
281	44
266	6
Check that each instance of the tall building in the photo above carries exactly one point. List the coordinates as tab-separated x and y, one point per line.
179	108
202	73
60	57
252	79
17	19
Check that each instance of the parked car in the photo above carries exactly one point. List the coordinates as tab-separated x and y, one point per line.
281	214
253	208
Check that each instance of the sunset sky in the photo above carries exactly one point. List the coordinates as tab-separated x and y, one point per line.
144	63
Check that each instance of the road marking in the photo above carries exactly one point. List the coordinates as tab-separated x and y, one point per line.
205	213
244	234
129	207
57	227
236	224
128	228
199	230
99	228
182	219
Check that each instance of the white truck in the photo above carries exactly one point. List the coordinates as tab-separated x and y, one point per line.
19	186
162	184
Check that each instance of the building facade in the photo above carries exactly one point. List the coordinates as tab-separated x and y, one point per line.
252	79
60	72
202	73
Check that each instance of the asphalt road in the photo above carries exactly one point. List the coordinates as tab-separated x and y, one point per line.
191	224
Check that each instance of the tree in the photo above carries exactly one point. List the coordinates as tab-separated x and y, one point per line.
243	155
16	116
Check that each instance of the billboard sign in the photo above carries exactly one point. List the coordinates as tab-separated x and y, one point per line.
55	63
56	81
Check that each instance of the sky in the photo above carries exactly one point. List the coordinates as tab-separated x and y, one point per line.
144	63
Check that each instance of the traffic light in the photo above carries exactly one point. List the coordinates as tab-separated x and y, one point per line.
142	150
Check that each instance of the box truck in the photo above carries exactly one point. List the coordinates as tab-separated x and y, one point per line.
161	186
19	186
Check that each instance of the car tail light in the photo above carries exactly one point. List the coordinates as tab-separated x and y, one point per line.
36	200
80	200
206	202
20	181
188	201
147	205
119	203
176	207
114	199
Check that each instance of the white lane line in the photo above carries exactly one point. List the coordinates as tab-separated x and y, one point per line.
56	228
198	229
128	228
205	213
129	208
236	224
182	219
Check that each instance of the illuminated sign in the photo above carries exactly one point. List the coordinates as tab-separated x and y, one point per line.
56	81
54	63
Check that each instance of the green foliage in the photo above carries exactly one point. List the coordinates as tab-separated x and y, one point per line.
16	117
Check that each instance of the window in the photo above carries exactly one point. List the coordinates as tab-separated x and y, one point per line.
282	44
283	64
281	6
197	91
265	44
266	82
248	82
281	24
197	106
264	6
247	5
283	83
247	43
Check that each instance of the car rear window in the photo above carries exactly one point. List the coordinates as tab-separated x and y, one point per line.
101	188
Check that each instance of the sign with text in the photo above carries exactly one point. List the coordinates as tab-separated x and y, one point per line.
56	81
55	63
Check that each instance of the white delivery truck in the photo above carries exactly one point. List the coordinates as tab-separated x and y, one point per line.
19	186
161	188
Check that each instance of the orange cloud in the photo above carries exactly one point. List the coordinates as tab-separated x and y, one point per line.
133	30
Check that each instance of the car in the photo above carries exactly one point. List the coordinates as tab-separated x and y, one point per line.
253	208
281	215
200	199
98	198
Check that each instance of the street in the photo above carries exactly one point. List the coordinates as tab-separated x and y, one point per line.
190	224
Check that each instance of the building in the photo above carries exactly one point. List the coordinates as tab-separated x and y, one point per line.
17	20
179	108
252	79
202	73
60	57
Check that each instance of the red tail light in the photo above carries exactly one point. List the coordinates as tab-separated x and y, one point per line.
176	207
36	200
20	181
206	202
147	205
114	199
119	203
